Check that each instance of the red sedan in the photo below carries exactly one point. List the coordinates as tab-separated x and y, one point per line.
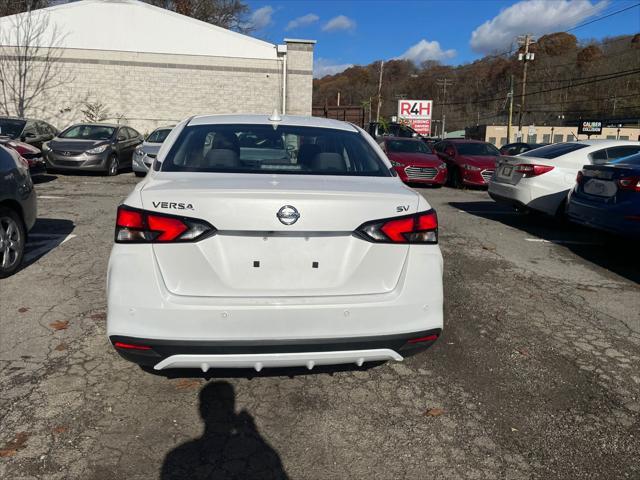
29	153
414	161
470	162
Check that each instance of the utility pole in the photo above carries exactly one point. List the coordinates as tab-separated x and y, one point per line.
525	58
443	82
379	91
509	124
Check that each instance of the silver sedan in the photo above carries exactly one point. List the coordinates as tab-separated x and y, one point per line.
145	154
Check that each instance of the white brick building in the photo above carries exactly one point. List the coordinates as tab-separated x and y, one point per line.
153	67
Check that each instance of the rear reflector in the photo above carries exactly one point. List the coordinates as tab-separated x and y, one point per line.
130	346
428	338
531	170
134	225
417	228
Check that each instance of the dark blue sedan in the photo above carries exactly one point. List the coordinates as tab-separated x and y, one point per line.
607	197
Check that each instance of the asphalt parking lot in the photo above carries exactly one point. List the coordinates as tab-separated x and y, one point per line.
537	374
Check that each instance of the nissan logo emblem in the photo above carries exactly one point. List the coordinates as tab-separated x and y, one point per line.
288	215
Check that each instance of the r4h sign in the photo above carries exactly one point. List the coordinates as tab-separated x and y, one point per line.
412	109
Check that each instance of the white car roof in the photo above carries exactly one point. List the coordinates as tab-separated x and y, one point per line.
606	143
290	120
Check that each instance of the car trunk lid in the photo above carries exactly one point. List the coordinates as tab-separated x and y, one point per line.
255	254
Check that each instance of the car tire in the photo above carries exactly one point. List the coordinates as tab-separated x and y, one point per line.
12	241
140	174
113	166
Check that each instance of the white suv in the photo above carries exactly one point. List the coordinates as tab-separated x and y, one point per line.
260	242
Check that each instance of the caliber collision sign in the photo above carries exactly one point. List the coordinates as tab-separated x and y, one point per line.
590	127
417	114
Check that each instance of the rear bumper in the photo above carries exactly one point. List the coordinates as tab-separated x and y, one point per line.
164	354
601	217
141	307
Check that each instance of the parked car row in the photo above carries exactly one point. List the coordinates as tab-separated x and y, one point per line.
544	180
97	147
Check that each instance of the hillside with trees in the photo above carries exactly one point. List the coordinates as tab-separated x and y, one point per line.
566	81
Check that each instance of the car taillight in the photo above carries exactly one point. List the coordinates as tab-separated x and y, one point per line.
629	183
531	170
417	228
579	177
134	225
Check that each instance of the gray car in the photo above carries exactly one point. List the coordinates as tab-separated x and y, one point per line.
18	209
145	154
97	147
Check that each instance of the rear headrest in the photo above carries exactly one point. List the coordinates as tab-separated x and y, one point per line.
307	152
222	158
228	141
328	162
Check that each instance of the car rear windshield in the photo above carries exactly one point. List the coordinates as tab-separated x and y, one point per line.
554	151
158	136
630	160
281	149
474	149
407	146
10	127
88	132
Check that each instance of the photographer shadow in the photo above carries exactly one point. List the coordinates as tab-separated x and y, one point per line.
230	447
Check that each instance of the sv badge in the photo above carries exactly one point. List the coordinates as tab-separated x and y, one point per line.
402	208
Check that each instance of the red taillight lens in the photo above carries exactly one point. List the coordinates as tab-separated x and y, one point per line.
629	183
139	226
169	228
418	228
531	170
130	346
129	218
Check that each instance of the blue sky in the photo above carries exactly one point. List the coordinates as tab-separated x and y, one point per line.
453	32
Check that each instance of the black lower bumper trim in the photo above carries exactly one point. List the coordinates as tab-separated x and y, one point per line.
161	349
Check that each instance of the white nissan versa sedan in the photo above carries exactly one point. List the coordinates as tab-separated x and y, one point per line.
262	242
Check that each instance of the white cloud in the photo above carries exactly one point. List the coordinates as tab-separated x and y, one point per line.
323	67
302	21
261	18
537	17
424	50
340	22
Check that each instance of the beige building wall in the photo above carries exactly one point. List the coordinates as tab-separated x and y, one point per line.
146	90
497	134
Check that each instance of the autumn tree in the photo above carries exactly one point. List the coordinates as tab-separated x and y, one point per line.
11	7
229	14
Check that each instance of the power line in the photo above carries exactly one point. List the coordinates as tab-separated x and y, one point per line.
612	76
602	17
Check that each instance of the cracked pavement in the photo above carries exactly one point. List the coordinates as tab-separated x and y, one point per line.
537	374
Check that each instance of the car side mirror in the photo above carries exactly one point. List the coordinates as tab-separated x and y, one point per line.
450	152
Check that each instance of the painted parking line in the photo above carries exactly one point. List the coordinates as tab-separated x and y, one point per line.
50	197
44	243
562	242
